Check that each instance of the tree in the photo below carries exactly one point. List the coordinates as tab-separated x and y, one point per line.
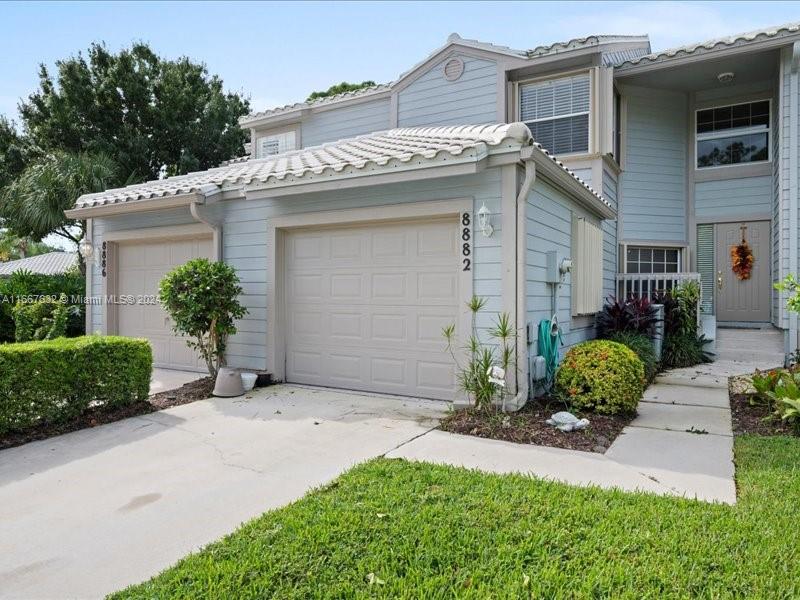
202	297
154	116
13	247
33	205
339	88
15	152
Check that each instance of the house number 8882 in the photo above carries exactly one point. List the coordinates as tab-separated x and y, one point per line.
466	238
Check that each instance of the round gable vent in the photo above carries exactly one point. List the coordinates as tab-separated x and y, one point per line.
453	69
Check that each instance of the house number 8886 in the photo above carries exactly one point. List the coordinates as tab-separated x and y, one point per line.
466	238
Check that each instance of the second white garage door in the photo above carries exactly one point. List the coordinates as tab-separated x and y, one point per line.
365	307
140	268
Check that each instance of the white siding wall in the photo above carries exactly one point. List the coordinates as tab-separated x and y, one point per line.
654	186
432	100
345	122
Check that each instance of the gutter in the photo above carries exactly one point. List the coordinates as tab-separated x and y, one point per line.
522	357
216	228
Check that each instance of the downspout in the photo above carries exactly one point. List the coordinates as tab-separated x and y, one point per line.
216	228
794	187
521	302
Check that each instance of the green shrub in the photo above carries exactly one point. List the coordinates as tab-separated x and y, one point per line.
28	287
44	319
57	380
601	375
684	350
479	376
644	349
202	297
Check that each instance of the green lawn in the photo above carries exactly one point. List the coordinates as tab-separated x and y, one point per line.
421	531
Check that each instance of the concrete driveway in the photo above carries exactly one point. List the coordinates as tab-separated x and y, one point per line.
90	512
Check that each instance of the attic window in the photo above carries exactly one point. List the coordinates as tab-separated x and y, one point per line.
453	69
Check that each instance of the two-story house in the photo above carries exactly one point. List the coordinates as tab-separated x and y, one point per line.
361	223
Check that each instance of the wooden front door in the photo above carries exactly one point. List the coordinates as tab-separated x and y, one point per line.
748	300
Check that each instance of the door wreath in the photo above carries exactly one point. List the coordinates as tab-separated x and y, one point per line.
742	258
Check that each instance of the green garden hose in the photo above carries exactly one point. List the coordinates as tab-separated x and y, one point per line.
548	349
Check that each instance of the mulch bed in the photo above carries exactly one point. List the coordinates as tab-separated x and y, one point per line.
528	427
755	419
190	392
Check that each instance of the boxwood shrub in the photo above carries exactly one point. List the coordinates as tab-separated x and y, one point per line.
56	380
603	376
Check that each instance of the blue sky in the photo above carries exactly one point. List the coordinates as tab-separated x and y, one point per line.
278	52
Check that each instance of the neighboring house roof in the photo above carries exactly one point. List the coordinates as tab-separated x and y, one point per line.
453	40
51	263
759	35
376	153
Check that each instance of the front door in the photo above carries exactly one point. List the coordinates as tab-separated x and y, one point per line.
743	300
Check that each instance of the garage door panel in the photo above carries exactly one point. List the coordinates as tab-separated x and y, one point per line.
366	306
140	269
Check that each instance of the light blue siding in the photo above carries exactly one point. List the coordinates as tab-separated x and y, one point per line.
609	192
345	122
610	261
245	244
432	100
654	185
739	198
549	227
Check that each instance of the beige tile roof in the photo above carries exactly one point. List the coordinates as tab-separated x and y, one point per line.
382	152
716	44
51	263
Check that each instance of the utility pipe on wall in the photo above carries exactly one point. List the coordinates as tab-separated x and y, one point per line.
216	228
521	317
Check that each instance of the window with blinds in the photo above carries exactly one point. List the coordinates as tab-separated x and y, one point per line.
705	266
275	144
557	113
587	267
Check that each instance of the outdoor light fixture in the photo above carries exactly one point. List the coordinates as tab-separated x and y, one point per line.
86	249
726	77
485	221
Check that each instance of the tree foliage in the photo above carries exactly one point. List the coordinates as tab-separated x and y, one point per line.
33	206
15	152
151	115
339	88
202	297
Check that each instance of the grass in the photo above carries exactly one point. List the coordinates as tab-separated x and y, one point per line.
403	530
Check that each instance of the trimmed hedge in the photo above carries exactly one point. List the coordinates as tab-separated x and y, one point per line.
57	380
603	376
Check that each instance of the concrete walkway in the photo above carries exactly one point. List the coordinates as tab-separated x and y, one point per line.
680	444
90	512
169	379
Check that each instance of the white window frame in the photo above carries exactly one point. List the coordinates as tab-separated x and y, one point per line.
683	254
272	135
564	75
726	133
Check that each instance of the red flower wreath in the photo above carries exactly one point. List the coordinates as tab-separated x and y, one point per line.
742	260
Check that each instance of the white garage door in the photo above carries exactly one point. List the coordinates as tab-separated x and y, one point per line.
365	307
140	268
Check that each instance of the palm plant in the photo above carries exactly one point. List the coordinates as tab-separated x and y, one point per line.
33	205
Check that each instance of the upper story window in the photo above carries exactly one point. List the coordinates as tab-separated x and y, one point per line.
732	135
557	113
275	144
